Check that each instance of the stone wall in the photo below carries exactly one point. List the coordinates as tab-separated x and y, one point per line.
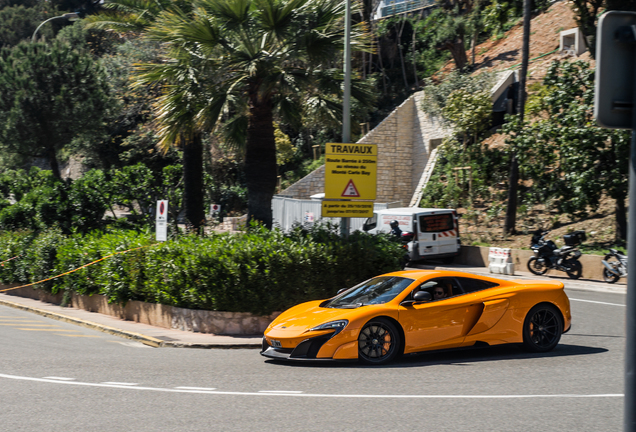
405	139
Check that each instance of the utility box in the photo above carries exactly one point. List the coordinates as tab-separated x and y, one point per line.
571	41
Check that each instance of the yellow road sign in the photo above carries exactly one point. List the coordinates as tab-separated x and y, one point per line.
348	209
351	171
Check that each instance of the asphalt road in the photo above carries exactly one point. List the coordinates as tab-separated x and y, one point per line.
59	377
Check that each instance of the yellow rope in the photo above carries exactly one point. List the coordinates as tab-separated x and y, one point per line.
72	271
10	259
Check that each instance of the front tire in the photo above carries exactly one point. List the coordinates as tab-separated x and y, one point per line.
575	268
608	276
378	342
542	328
537	267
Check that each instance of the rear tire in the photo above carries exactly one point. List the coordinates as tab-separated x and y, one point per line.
542	328
607	275
576	269
537	267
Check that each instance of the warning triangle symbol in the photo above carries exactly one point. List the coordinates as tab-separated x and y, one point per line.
350	190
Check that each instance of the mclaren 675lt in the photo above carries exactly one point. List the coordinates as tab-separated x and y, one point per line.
420	310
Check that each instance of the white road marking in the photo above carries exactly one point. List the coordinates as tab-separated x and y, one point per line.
196	388
280	391
598	302
60	378
119	383
310	395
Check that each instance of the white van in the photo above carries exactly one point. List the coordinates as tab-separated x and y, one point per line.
429	233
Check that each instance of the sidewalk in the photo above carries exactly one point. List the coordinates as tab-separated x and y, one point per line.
147	334
163	337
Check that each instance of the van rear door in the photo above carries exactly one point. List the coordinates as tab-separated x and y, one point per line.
437	233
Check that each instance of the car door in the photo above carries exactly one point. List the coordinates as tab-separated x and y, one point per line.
439	323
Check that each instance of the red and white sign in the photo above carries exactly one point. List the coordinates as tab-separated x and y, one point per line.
350	191
161	221
215	208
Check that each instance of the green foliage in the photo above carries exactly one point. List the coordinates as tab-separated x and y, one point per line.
49	95
452	188
569	159
468	112
496	15
43	201
17	23
260	272
436	95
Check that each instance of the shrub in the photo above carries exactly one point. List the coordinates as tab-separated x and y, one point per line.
260	271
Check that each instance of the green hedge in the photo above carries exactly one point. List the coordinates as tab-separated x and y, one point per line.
259	272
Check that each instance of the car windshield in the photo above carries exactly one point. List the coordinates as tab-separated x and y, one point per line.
374	291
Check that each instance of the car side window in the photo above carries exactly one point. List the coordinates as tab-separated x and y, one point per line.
472	285
440	288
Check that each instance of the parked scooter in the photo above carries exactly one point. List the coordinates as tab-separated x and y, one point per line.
615	264
548	256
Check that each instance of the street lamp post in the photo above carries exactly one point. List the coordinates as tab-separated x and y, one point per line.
346	103
71	16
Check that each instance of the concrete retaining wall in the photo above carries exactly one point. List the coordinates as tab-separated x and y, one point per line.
201	321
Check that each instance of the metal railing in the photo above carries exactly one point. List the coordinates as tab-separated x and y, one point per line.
395	7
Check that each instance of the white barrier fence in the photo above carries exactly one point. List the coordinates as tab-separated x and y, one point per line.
500	261
290	211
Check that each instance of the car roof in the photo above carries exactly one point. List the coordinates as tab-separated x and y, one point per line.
419	273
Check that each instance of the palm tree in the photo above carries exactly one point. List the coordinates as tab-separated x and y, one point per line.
250	60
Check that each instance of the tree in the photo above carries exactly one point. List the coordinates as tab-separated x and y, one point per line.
49	95
567	157
452	26
250	60
17	23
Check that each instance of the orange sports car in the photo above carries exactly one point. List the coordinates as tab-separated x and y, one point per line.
420	310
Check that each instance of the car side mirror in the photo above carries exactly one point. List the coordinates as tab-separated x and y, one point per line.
422	296
418	297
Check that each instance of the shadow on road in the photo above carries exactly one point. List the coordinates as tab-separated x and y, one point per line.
461	356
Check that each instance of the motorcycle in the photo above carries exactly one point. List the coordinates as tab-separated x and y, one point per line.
615	264
548	256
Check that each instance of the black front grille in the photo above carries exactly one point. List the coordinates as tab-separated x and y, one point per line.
309	348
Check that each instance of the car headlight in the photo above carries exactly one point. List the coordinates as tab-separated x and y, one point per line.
332	325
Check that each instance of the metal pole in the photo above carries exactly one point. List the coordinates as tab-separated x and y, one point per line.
630	314
346	102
